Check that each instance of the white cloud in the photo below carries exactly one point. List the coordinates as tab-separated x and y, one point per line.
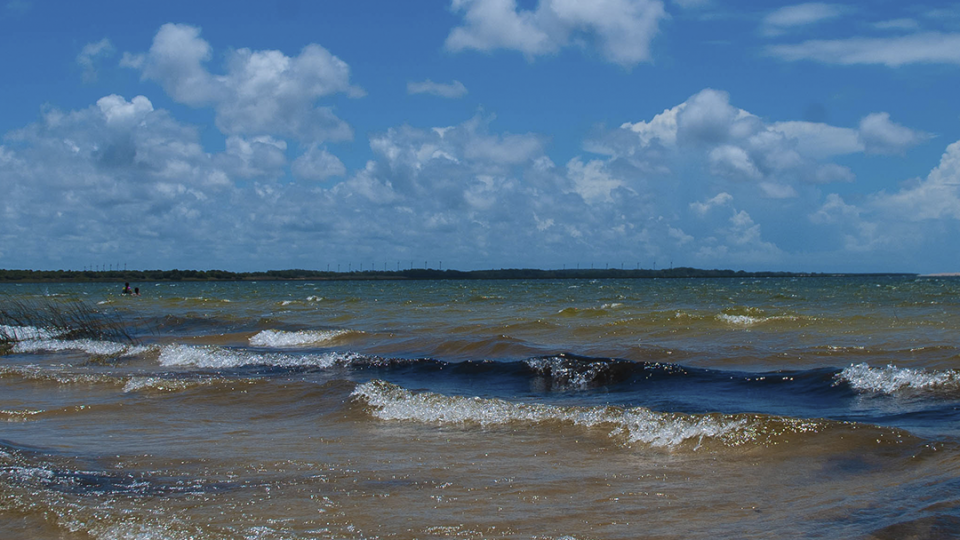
881	136
453	90
124	114
175	60
662	128
834	209
721	199
91	52
317	164
733	161
592	181
262	92
121	178
469	143
922	48
117	178
831	172
621	29
920	218
773	190
780	20
820	140
936	197
707	118
258	157
738	145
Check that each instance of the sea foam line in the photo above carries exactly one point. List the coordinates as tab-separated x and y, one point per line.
23	333
891	379
747	320
217	357
280	338
635	425
89	346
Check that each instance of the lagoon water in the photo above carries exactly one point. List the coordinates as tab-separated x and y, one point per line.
608	409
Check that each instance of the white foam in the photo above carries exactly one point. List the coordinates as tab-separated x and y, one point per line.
90	346
17	416
218	357
391	402
27	474
22	333
739	320
159	384
891	379
747	320
280	338
565	373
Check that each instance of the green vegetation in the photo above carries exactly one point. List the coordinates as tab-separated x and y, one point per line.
119	276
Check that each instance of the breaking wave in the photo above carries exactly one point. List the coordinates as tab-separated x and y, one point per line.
280	338
89	346
891	379
631	425
218	357
23	333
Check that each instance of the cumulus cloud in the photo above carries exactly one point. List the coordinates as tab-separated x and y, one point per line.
621	29
261	92
453	90
922	48
592	180
317	164
102	179
921	217
789	17
733	161
122	114
260	157
90	54
737	145
123	179
936	197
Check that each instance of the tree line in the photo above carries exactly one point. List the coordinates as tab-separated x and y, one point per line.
30	276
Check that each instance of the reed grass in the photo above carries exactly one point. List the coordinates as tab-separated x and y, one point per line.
68	319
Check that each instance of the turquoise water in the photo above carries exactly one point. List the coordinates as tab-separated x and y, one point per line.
757	408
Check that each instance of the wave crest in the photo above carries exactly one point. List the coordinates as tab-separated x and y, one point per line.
891	379
24	333
566	371
89	346
634	425
281	338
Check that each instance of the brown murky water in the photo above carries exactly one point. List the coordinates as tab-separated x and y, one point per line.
544	409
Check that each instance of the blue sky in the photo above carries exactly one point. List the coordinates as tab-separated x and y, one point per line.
481	133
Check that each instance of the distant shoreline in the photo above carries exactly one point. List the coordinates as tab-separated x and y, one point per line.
415	274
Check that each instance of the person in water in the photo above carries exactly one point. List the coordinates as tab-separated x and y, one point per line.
126	289
136	291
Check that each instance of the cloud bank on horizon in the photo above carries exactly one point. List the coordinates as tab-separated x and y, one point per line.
558	133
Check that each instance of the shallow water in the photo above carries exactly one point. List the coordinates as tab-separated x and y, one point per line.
757	408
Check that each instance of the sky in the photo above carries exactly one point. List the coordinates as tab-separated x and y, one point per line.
477	134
